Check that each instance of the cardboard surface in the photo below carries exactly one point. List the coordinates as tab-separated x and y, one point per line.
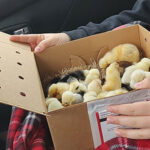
4	38
145	41
70	128
20	84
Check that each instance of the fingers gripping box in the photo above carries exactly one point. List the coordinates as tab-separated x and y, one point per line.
75	127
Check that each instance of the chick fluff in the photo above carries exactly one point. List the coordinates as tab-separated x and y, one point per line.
103	94
137	76
122	52
70	98
95	85
112	93
56	90
93	74
113	80
86	72
90	95
77	87
53	104
144	64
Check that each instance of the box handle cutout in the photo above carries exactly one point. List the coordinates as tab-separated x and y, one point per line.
21	77
18	52
19	63
22	94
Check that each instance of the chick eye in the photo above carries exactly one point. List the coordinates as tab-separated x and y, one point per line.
77	87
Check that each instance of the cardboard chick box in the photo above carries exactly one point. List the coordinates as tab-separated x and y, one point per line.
75	127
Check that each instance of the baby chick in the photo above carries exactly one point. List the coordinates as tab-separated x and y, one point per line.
137	76
56	90
122	52
113	80
112	93
90	95
86	72
77	87
93	74
95	85
102	94
53	104
144	64
116	92
70	98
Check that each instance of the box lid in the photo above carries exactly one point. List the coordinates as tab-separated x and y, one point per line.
20	83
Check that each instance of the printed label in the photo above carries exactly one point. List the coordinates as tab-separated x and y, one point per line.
101	131
106	130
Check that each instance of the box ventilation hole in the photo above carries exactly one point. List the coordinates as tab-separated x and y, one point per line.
19	63
21	77
22	94
145	39
18	52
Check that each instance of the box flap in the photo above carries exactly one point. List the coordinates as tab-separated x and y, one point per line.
20	84
71	124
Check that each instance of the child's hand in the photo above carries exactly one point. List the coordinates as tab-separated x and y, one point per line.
136	115
39	42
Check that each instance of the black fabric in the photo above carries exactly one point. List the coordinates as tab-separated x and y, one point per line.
140	11
42	16
39	15
5	113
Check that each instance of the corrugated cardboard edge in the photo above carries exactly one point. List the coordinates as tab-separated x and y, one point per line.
5	37
144	40
71	125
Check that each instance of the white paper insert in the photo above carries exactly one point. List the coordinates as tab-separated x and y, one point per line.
99	107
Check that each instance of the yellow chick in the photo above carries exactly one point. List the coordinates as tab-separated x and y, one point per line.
95	85
86	72
53	104
93	74
56	90
116	92
113	80
77	87
102	94
122	52
137	76
144	64
90	95
112	93
70	98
